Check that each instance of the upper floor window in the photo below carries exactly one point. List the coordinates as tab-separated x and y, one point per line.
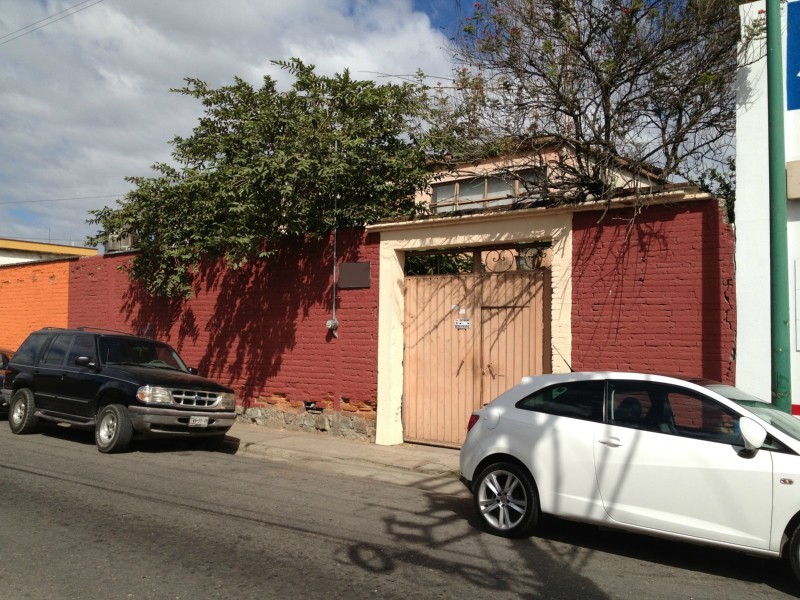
484	192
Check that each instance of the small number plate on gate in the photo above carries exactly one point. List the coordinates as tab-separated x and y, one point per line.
198	421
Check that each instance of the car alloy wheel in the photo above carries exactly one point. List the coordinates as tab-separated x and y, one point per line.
506	499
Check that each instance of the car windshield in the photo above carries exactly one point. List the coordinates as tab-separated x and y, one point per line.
139	352
764	410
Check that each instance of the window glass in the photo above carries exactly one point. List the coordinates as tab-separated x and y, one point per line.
470	191
82	346
578	399
499	188
30	349
444	192
629	406
58	349
141	352
672	410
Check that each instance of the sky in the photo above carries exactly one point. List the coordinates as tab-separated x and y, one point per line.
84	86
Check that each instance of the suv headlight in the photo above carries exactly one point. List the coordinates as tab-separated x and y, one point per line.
153	395
228	400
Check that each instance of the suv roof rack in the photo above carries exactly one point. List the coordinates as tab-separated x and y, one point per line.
91	328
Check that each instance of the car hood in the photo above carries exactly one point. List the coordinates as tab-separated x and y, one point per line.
163	378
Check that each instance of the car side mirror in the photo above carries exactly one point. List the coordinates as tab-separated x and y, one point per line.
84	361
192	370
752	433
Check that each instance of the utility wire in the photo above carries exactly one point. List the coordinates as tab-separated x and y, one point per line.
62	199
30	28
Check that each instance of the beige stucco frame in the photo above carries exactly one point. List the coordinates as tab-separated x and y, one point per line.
506	227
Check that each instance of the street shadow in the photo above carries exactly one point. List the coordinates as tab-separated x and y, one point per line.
153	445
555	560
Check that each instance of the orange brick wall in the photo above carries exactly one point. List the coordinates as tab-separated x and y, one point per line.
32	295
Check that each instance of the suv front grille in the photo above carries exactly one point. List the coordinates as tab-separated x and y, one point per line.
195	398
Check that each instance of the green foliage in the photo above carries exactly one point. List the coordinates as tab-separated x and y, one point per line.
438	263
721	182
262	164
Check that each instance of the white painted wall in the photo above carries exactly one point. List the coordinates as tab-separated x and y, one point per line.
753	347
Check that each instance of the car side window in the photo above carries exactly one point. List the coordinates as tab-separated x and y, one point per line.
57	350
30	349
703	418
577	399
672	410
82	346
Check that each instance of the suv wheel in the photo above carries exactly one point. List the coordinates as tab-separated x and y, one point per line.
113	432
22	412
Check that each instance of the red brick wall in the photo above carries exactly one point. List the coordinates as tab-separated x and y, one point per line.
656	295
261	328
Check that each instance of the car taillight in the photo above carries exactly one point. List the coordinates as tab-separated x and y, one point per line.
472	420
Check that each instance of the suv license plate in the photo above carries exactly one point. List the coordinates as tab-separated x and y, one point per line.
198	421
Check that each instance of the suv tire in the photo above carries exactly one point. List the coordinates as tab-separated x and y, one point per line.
113	432
22	412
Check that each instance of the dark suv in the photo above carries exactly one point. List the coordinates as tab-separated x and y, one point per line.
117	384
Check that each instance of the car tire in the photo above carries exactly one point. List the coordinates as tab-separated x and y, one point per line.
22	412
506	500
113	431
794	552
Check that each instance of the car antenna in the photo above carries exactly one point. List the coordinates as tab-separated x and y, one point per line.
566	362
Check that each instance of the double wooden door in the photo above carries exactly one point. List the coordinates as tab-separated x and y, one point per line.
468	338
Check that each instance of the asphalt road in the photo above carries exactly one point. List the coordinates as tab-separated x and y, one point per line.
171	521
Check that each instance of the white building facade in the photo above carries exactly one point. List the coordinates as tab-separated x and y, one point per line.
753	347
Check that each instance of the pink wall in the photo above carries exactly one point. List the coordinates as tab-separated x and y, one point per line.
260	329
657	296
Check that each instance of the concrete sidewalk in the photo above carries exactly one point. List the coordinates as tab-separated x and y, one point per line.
404	464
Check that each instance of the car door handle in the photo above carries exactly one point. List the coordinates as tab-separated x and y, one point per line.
613	442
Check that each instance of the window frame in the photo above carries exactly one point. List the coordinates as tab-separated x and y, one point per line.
518	191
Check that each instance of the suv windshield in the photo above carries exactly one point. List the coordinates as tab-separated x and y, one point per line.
768	412
140	352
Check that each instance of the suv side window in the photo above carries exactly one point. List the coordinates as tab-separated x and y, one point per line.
55	354
30	349
82	346
577	399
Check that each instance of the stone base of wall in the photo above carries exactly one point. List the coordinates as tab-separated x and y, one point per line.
347	425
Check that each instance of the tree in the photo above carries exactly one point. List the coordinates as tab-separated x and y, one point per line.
599	89
263	164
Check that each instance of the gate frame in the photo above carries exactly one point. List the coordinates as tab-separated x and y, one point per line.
553	225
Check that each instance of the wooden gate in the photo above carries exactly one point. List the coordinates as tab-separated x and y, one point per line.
468	338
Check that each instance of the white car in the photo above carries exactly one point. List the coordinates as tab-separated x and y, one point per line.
692	460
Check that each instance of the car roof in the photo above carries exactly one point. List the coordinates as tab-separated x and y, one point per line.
595	375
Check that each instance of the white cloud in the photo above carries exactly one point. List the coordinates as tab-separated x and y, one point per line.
85	101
